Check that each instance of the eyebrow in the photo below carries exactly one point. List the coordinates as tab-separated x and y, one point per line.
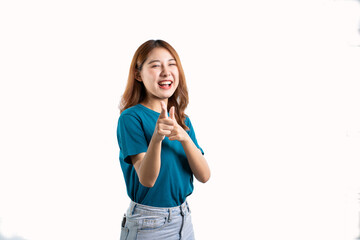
152	61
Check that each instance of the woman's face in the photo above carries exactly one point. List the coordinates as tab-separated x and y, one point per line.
159	74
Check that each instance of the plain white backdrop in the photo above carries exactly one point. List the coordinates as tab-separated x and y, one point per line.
274	99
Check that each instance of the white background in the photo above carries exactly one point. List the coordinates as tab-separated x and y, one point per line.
274	99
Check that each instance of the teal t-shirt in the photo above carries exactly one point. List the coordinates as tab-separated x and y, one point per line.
135	128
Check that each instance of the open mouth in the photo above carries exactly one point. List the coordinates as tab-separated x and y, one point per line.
165	84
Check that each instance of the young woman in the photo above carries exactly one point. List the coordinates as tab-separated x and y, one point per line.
159	153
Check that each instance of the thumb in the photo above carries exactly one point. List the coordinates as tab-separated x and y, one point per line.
163	113
172	113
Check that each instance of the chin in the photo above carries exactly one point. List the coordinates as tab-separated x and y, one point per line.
166	96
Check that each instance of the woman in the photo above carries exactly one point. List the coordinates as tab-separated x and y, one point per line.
159	153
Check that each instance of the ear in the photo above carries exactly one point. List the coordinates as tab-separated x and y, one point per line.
138	76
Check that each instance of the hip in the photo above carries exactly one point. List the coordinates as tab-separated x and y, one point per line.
147	222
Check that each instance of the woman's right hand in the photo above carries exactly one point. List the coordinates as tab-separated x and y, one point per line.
164	124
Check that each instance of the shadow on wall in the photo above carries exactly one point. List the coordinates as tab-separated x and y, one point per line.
11	238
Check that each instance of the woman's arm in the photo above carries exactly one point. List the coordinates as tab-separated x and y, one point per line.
147	165
196	160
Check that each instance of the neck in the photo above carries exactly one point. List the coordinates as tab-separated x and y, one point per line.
154	104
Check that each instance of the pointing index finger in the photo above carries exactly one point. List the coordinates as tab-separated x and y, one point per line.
163	113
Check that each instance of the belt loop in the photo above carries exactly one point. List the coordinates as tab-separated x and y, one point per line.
169	219
187	205
133	205
182	210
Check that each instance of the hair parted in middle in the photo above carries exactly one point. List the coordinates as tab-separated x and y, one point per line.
135	91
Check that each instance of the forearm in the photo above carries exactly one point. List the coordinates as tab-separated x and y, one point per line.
196	160
150	165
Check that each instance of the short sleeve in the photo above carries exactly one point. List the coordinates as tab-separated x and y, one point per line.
131	137
192	134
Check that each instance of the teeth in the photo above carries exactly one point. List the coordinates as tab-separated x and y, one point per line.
165	83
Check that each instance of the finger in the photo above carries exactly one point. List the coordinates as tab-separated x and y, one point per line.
173	134
164	132
163	113
166	127
172	137
172	113
166	121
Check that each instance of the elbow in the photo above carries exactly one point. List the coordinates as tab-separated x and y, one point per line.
204	179
148	183
146	179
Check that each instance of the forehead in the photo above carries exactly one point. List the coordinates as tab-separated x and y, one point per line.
159	54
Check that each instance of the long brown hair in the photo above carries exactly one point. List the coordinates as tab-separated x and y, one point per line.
135	91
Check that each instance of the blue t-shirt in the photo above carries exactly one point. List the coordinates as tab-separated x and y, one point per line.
135	128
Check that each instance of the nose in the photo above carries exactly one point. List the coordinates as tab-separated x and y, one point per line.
165	72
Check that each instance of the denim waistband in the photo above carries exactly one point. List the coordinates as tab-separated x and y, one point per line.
183	209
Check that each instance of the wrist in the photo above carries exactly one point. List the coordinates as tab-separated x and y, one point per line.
186	139
156	137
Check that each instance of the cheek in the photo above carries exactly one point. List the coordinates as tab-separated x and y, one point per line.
176	84
153	71
176	73
150	76
177	79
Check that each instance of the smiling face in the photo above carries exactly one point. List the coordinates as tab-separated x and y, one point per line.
160	75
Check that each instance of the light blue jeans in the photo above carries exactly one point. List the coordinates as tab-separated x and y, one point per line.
143	222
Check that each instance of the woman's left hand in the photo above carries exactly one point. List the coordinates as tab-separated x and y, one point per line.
178	133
